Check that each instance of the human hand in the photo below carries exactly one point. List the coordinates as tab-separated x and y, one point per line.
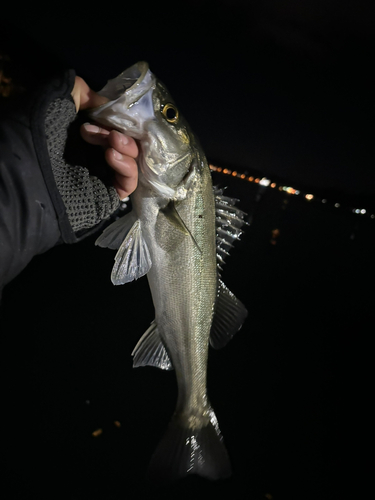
121	150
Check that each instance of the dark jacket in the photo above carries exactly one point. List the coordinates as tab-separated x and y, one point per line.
45	198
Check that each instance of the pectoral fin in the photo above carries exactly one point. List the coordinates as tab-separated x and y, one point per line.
173	217
114	234
133	258
230	313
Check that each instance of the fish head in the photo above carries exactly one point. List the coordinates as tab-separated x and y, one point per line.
141	106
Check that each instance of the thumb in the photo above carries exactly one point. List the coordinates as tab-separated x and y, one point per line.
84	97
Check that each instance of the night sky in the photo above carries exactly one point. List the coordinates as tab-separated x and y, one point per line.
277	91
283	89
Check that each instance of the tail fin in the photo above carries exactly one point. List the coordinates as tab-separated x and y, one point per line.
183	451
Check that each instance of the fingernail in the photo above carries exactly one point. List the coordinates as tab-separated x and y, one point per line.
117	155
123	138
89	127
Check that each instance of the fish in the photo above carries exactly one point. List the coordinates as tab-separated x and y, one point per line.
179	232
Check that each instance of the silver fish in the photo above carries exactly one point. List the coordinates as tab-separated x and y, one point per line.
178	232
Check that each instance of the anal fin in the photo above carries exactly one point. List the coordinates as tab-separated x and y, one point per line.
150	350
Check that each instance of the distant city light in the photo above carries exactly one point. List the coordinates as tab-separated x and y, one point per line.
265	182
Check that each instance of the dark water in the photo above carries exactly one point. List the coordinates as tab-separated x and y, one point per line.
290	390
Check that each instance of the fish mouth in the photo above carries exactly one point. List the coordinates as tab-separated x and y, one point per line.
135	81
141	82
140	69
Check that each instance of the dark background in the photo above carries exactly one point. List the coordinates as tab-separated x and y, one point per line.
281	91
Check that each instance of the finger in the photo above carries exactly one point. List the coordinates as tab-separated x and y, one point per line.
126	172
93	134
124	187
84	97
123	144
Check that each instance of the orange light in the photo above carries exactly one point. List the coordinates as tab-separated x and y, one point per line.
243	176
273	185
309	196
257	180
251	179
234	174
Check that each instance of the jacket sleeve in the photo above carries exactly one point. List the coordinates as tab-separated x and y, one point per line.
42	194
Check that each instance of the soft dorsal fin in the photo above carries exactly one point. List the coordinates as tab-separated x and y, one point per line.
229	221
229	316
150	350
133	257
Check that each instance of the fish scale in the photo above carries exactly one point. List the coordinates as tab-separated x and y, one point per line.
178	232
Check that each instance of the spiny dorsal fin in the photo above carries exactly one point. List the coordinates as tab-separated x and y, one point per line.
150	350
229	221
133	257
229	316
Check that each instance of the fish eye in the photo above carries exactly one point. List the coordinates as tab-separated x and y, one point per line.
170	112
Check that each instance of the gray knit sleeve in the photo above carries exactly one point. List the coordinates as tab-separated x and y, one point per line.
87	199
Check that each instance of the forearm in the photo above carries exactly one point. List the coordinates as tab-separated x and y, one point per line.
28	223
48	193
44	198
